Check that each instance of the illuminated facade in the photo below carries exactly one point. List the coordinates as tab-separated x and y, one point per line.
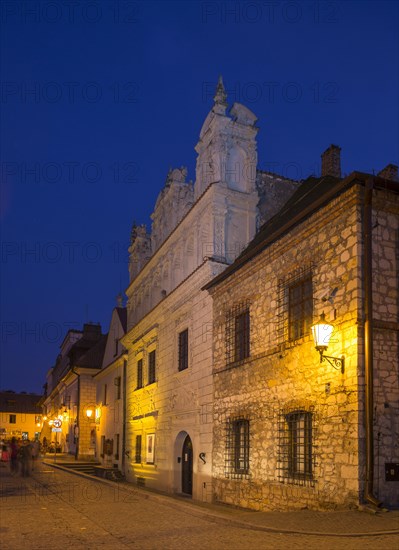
20	415
197	230
71	392
108	416
290	431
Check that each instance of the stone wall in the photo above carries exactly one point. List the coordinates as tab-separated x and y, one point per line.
281	376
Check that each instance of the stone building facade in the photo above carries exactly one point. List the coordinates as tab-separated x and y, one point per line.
288	430
197	230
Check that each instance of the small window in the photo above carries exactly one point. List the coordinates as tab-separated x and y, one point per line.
117	382
151	367
13	419
139	374
138	450
241	336
237	447
183	350
105	394
300	308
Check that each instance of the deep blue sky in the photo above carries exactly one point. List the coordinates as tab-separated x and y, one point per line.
127	86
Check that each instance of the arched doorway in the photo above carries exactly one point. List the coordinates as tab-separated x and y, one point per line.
187	467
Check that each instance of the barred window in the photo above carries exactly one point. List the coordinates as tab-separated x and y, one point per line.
237	448
138	450
183	350
151	367
300	308
139	374
296	447
294	313
238	333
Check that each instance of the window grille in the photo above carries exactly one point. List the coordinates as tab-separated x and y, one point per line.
238	333
296	448
300	308
139	374
138	450
295	304
183	350
151	367
237	449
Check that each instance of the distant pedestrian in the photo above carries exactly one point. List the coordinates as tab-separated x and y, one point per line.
25	458
5	454
35	452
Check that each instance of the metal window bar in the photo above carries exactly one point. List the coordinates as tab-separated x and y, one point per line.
237	337
241	337
296	448
183	350
151	367
237	449
300	308
282	314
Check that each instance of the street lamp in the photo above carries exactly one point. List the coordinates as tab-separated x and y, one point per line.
89	413
322	331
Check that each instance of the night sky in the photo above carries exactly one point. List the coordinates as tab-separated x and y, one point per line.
99	99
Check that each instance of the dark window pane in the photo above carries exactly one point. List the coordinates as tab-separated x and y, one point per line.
183	350
300	308
151	367
138	449
242	336
139	373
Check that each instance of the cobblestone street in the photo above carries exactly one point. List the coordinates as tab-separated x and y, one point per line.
57	509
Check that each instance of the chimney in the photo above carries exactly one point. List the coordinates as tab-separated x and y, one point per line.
331	162
92	331
390	172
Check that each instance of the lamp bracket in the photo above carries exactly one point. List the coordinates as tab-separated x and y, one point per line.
337	363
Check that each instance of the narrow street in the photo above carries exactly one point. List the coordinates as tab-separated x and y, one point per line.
56	509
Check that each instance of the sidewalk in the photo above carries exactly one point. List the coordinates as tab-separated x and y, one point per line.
342	523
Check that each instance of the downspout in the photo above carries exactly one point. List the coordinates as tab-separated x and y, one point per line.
368	342
124	417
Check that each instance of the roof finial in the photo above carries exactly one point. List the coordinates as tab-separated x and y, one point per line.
220	95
